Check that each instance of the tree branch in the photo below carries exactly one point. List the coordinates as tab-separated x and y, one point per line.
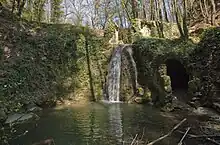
168	134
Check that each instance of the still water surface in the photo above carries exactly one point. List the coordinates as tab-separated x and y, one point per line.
100	124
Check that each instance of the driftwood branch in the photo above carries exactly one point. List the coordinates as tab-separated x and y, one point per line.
181	141
198	136
168	134
207	137
134	139
213	141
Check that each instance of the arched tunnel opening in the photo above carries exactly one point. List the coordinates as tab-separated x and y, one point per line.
178	75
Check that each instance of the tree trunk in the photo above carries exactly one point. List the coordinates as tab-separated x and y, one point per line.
185	28
202	11
92	98
177	16
152	10
206	11
30	9
119	13
172	11
213	11
165	11
159	18
13	6
21	7
128	15
134	8
144	9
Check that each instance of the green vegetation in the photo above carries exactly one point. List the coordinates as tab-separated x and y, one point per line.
205	65
43	63
151	55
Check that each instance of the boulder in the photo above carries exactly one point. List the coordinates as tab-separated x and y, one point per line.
3	115
33	108
20	118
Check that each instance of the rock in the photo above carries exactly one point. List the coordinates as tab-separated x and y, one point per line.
139	100
13	118
195	99
20	117
198	94
195	103
216	106
167	108
34	109
3	115
213	115
206	111
201	111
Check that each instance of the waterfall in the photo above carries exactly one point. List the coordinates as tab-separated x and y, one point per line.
132	66
114	74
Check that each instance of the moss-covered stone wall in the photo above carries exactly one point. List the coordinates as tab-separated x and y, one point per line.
151	55
42	63
205	67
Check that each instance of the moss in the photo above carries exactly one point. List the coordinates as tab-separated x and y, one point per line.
194	86
147	95
205	64
150	56
47	62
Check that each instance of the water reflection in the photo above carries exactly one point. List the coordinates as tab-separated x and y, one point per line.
115	121
97	124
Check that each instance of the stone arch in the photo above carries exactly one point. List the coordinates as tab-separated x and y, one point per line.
178	75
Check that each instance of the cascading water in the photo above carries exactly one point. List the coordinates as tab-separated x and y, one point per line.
114	74
132	66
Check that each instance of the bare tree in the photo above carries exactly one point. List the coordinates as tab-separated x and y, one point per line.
178	17
134	8
185	27
165	11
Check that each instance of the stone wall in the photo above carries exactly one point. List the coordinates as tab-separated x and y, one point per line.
205	68
150	56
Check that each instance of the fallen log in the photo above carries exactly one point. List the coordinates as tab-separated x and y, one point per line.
181	141
168	134
207	137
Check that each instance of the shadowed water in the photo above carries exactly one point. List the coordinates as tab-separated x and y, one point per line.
99	124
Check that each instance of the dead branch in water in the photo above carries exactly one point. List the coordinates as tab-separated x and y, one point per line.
213	141
207	137
134	139
168	134
198	136
181	141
